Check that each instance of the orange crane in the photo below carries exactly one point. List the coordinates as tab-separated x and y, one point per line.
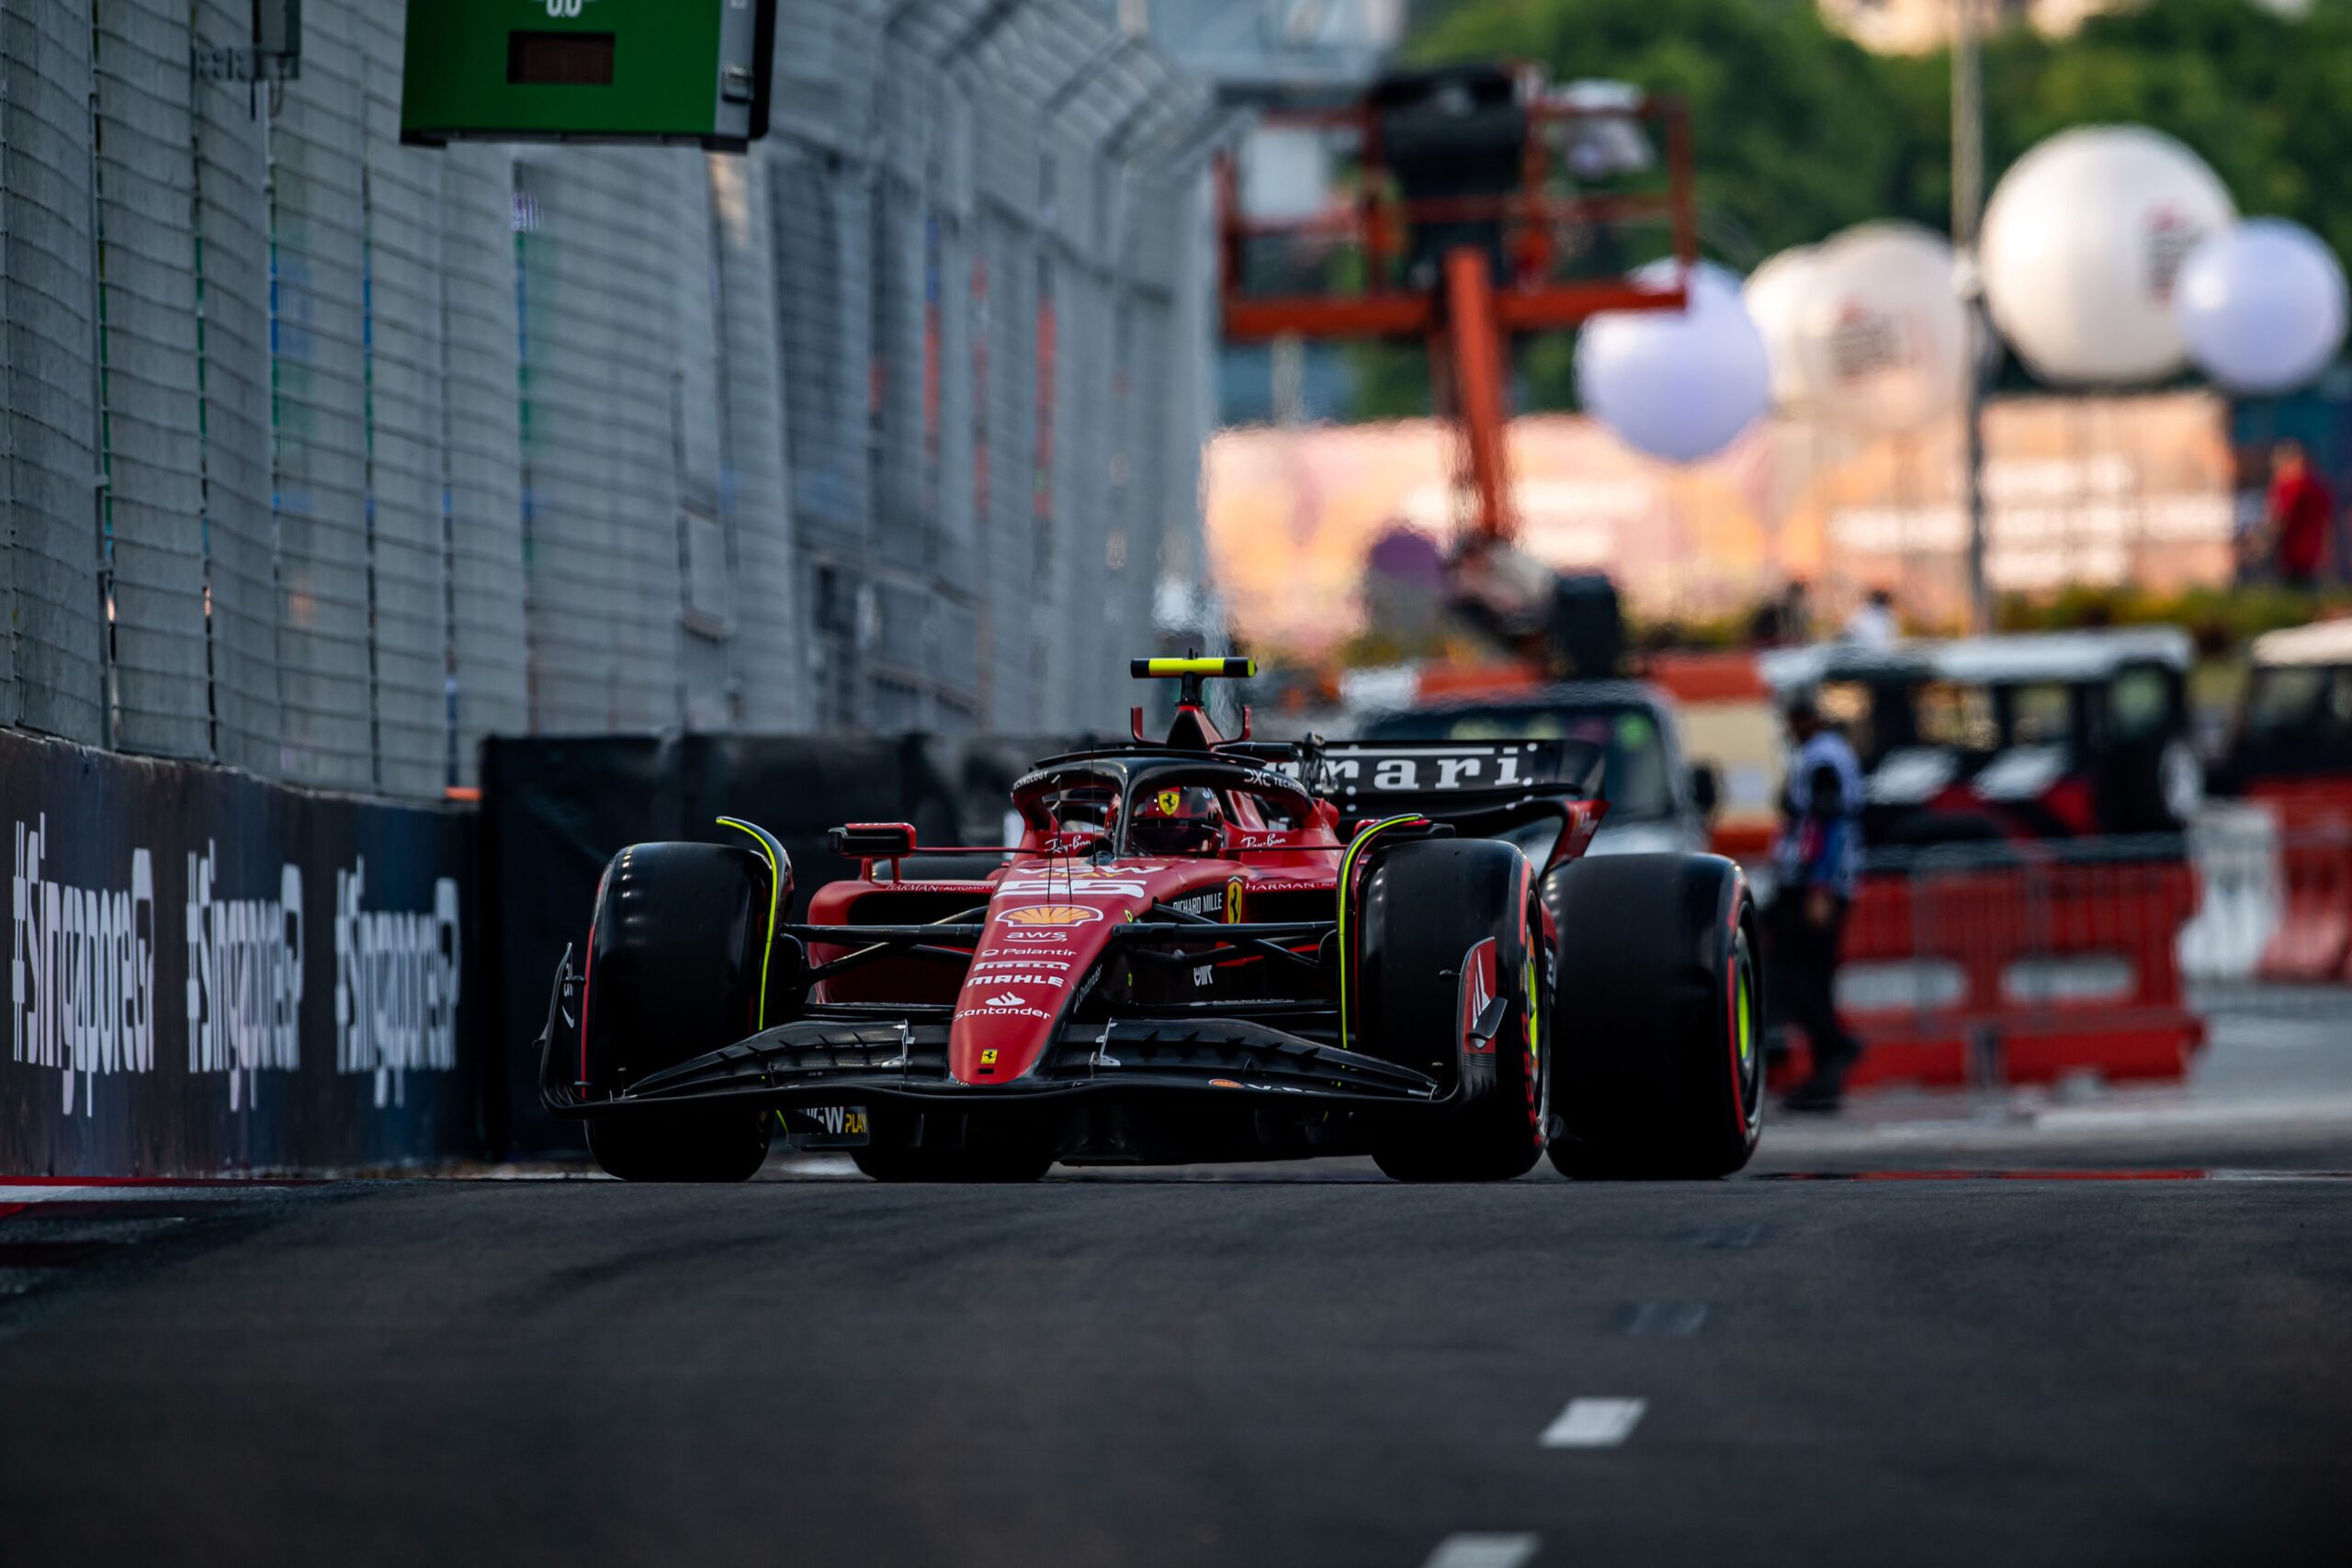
1482	207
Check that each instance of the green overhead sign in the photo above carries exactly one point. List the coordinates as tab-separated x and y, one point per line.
679	70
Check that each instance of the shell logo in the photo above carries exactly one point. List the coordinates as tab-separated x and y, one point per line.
1051	915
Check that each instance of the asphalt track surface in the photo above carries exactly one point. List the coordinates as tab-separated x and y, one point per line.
1301	1365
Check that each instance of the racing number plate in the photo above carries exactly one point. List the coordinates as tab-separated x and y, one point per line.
827	1126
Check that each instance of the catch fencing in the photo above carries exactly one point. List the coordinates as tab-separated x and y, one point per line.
2119	957
325	458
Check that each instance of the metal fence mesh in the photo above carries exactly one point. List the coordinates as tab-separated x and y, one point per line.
327	456
49	311
318	330
408	574
229	156
483	449
152	531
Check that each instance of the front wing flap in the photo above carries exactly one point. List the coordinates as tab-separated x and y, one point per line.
829	1061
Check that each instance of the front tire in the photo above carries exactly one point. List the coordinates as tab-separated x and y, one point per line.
675	968
1659	1003
1432	911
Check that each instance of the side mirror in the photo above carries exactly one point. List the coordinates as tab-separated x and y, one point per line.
1706	788
872	840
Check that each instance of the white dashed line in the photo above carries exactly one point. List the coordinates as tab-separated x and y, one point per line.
1668	1320
1594	1424
1483	1552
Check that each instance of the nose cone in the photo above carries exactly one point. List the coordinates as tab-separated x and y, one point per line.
1048	925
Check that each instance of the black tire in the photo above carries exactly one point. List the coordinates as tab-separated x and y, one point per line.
1427	906
675	961
1658	1011
686	1146
896	1153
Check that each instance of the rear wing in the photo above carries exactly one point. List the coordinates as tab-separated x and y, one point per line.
1450	780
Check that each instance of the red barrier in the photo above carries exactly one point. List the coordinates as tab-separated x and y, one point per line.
2048	968
2313	940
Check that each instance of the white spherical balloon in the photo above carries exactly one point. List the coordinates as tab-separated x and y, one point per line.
1679	385
2262	306
1882	335
2082	241
1774	295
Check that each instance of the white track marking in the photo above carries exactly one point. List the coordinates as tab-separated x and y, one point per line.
142	1192
1666	1320
2237	1175
1483	1552
1594	1424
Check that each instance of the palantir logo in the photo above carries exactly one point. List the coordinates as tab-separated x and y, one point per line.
83	971
396	974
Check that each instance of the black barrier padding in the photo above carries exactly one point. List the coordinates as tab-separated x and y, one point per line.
556	811
210	973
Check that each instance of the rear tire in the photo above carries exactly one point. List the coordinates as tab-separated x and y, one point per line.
682	1147
955	1166
1659	1003
674	960
897	1154
1428	908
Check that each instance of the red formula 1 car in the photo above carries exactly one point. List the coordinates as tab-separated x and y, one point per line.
1200	950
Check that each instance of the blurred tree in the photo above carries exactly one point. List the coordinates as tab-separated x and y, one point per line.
1801	133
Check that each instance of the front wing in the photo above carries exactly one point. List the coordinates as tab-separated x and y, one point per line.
869	1060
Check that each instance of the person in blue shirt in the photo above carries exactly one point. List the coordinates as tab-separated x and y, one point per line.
1816	867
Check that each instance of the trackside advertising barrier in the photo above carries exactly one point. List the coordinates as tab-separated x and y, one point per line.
555	810
207	972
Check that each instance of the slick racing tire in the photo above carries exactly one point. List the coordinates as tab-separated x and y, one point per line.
895	1154
1658	1011
675	959
683	1146
1450	925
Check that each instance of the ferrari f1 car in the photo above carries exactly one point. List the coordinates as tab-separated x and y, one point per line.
1203	949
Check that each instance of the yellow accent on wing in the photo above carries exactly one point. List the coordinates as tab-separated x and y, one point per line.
1347	869
768	848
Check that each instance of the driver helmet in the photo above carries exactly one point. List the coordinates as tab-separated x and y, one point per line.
1178	820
